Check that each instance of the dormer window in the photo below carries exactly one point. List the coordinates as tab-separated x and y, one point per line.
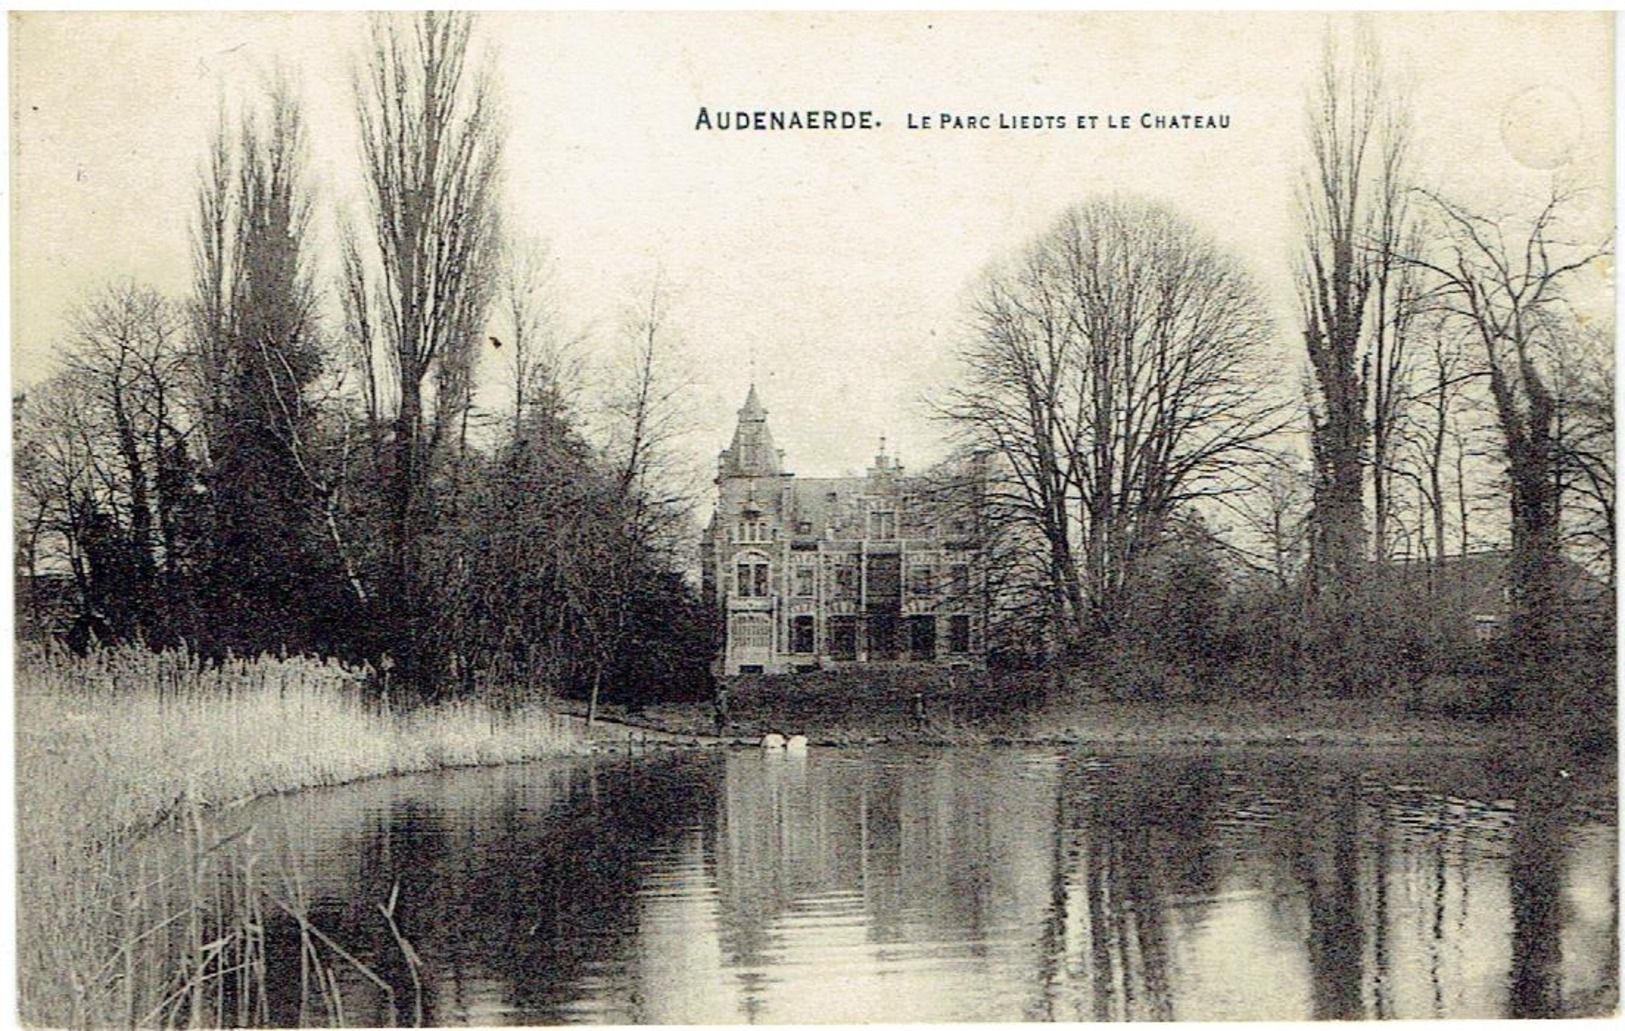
752	531
883	525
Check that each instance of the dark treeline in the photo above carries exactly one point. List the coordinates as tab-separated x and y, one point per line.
243	471
1434	496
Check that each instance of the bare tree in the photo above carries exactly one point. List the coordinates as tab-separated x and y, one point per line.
1396	293
1273	512
213	237
361	333
1355	306
646	419
1012	408
115	455
127	347
1507	290
598	576
1113	368
1271	540
534	349
56	474
1437	440
1006	574
432	149
1585	384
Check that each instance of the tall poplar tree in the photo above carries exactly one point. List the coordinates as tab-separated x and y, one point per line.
422	279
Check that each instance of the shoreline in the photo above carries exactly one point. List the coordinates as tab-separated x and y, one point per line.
1093	709
629	736
683	725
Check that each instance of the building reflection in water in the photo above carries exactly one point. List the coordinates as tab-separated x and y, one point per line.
880	890
972	885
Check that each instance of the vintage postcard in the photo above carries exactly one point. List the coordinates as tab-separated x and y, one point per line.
808	517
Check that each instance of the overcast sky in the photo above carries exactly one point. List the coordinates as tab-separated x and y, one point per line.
836	262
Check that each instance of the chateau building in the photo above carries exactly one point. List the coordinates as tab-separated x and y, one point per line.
812	573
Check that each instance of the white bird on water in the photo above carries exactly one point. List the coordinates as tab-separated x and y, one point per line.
795	744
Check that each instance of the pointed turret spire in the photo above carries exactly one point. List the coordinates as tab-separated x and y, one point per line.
752	452
885	464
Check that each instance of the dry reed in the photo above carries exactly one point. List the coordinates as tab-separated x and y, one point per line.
115	744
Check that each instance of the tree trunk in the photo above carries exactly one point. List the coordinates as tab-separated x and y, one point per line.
401	612
1339	508
592	698
1436	500
1381	491
1536	553
1338	543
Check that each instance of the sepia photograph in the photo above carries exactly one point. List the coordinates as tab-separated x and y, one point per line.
678	518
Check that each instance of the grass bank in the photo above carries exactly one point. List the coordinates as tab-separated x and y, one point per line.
113	745
877	706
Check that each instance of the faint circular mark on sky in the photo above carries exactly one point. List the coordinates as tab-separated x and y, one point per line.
1541	127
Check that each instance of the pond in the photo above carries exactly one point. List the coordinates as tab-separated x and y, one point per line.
949	885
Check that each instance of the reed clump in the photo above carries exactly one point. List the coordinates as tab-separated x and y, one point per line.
114	744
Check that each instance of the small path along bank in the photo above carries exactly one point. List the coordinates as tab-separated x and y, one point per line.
1108	725
617	732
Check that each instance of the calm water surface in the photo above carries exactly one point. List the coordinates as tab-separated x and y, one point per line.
965	885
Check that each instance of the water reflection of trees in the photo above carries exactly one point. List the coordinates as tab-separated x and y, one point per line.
1326	850
1388	875
515	902
1059	888
1382	898
1535	871
1135	837
1367	883
1411	892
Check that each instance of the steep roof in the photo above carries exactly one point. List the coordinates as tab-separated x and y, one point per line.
752	452
821	501
1478	579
